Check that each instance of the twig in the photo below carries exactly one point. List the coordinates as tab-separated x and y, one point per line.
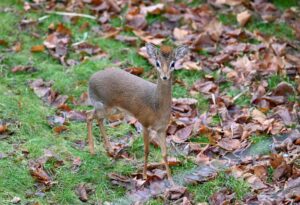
43	18
71	14
240	94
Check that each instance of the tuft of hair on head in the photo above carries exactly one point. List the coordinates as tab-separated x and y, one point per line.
166	50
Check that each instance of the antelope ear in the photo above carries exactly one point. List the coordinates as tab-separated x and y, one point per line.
181	51
152	50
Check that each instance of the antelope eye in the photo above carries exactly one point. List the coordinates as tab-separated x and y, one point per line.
157	64
172	64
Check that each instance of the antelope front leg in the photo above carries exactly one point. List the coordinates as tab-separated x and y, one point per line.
146	151
89	122
163	146
106	142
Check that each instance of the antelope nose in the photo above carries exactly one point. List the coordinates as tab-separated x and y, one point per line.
165	78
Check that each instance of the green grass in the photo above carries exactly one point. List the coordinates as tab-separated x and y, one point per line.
227	19
283	4
202	192
279	30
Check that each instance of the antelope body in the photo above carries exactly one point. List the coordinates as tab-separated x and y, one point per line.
148	102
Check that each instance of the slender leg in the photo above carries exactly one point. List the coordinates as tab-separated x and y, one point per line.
163	146
90	118
106	142
146	151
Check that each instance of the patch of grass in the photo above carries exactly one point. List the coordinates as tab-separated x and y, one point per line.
202	192
216	120
260	146
155	202
283	4
200	139
270	171
274	80
280	30
179	91
243	100
152	18
258	138
228	19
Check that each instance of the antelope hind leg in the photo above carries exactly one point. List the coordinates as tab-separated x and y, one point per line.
89	120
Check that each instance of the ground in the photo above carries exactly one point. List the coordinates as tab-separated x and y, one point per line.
31	134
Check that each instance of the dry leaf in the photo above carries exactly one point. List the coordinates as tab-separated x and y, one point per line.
37	48
243	17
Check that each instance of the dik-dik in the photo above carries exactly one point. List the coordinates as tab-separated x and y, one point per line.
148	102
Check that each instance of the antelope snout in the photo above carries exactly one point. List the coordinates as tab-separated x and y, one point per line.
165	77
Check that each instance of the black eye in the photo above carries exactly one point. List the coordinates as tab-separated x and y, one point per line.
172	64
157	64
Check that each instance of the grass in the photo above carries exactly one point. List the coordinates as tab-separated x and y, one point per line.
283	4
279	30
202	192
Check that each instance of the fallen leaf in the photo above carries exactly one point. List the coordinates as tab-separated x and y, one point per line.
60	129
17	47
276	160
224	196
135	70
37	172
243	17
21	68
16	200
229	144
37	48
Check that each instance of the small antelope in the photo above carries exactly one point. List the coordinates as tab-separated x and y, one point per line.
148	102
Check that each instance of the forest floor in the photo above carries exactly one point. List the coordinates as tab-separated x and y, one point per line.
240	82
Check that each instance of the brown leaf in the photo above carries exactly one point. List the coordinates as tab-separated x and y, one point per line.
3	128
261	172
256	183
3	43
185	132
131	40
120	180
21	68
136	21
258	116
276	160
87	49
75	115
82	193
17	47
153	9
60	129
76	164
284	89
180	34
224	196
243	17
229	144
135	70
37	48
175	192
207	87
229	2
37	172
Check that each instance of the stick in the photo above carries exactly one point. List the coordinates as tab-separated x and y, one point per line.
71	14
240	94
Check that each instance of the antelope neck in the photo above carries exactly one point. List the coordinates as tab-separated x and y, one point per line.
163	93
